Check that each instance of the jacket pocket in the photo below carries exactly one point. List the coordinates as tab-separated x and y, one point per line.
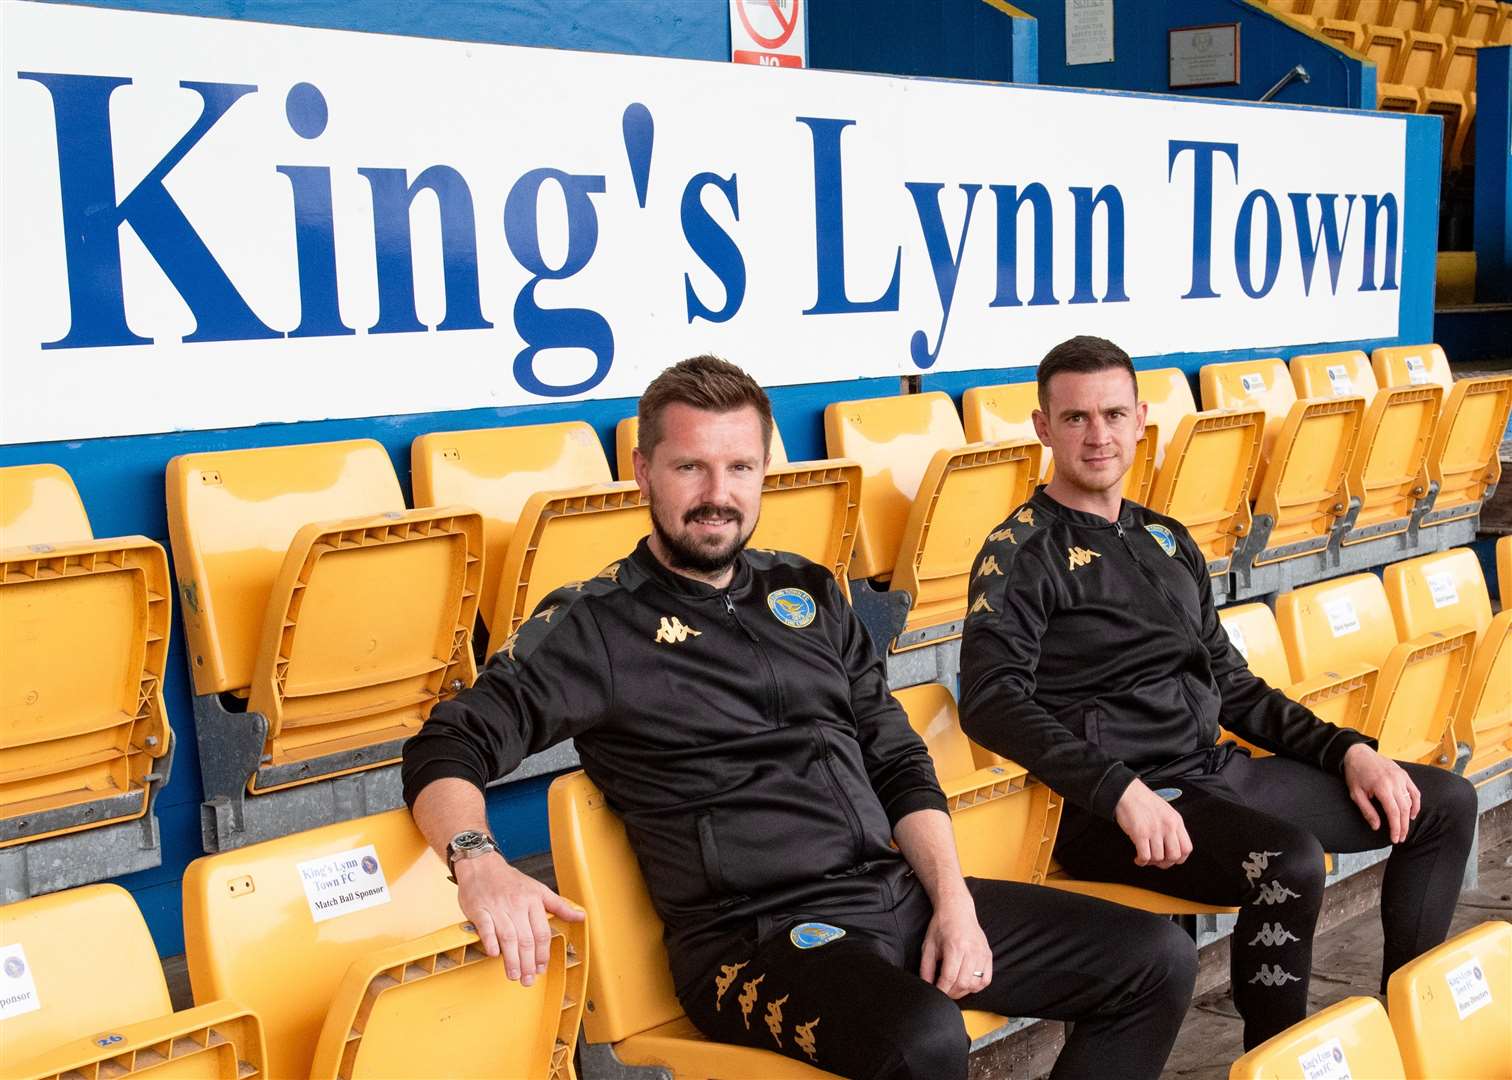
708	850
1092	724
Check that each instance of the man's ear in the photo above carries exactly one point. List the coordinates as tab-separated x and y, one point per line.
1041	426
642	466
1141	413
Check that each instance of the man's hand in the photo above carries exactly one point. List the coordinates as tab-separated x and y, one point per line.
509	910
955	949
1159	835
1369	775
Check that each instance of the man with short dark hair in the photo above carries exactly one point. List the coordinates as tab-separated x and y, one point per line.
1094	657
733	711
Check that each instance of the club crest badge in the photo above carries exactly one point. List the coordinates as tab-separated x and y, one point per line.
793	607
1169	794
1164	537
811	935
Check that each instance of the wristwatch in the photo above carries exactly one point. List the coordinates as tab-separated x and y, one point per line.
469	844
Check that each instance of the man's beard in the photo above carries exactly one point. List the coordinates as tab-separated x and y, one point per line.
702	558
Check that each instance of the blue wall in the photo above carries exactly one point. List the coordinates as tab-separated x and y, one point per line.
1493	178
121	479
1268	48
960	39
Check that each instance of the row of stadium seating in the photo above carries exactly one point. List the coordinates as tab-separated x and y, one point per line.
318	955
324	618
1424	53
1417	660
1448	1017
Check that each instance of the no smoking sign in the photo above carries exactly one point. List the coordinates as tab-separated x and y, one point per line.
770	33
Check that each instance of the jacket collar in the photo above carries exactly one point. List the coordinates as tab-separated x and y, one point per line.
684	586
1081	518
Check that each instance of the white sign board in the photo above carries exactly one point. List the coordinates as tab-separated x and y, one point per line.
210	223
769	33
1342	617
1089	31
1469	986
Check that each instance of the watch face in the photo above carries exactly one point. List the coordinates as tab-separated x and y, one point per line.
468	841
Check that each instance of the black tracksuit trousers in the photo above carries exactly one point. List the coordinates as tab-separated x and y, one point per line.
1259	828
856	1006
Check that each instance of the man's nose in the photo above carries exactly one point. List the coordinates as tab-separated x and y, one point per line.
1097	431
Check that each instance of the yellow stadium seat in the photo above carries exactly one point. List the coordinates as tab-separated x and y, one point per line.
98	1003
1206	464
1462	459
1351	1038
627	435
1407	14
1479	22
346	941
1372	12
1301	493
1338	696
1004	413
1389	469
1004	820
1445	16
810	508
633	1015
84	624
1343	32
1446	591
1287	7
1333	625
438	1006
495	471
1451	1008
1504	571
309	588
928	501
1332	9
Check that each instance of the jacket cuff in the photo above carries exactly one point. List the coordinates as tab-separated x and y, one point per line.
1110	789
425	774
921	798
1333	754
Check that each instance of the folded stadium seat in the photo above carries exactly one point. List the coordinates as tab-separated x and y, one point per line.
1339	696
1503	28
85	997
1504	571
1333	9
928	501
1301	495
339	616
1206	464
85	745
348	943
1384	46
1339	624
1389	469
562	538
1479	22
1445	17
971	775
633	1017
1370	13
1351	1038
627	434
1462	460
1343	32
1449	1007
496	471
1449	93
1409	14
1446	591
1004	413
1287	7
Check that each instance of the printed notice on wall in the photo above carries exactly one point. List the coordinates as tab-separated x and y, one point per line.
1205	55
1089	31
18	992
343	883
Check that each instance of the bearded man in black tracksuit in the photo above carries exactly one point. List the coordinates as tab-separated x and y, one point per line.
733	711
1094	657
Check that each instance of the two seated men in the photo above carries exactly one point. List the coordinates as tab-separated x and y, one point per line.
788	821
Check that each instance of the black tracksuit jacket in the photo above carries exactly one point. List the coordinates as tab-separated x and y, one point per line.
1093	654
758	762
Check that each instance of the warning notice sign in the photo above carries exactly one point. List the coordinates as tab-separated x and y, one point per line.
770	33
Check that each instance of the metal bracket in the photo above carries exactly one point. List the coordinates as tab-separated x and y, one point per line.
600	1063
